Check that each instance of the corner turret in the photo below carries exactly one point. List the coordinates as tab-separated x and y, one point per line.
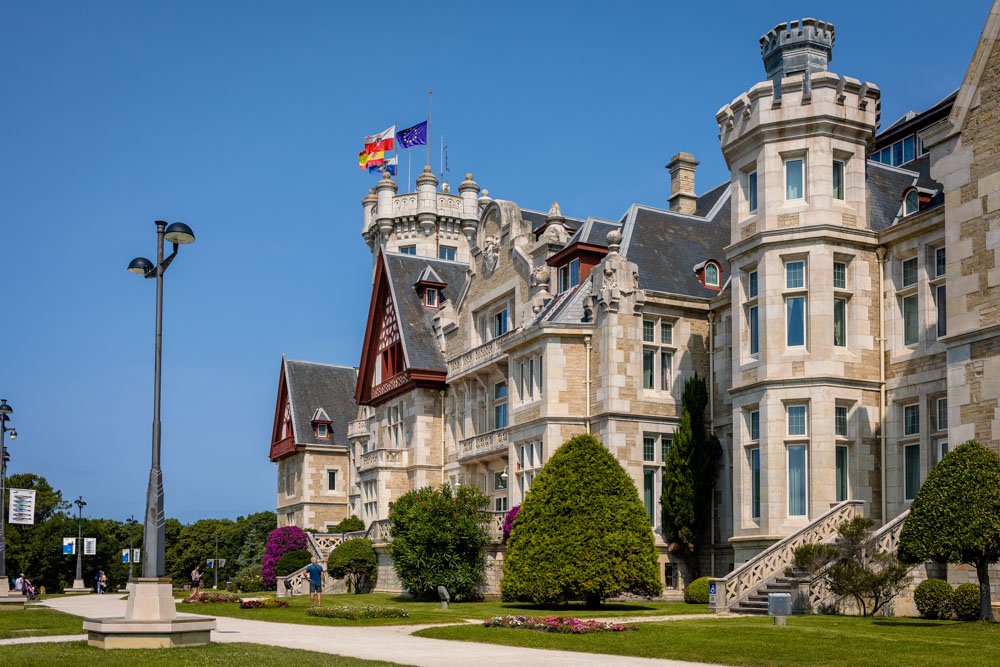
796	48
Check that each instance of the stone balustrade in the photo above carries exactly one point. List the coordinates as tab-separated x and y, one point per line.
357	428
492	442
496	526
478	357
384	458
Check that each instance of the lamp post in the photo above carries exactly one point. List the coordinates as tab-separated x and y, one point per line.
153	528
216	564
130	522
5	412
79	502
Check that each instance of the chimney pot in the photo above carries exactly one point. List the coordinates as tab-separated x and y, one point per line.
682	194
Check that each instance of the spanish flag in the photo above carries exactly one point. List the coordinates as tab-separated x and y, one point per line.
366	159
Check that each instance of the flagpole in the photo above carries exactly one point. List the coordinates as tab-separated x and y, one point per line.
430	124
409	170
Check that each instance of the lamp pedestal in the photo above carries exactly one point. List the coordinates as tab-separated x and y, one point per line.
9	600
150	621
78	588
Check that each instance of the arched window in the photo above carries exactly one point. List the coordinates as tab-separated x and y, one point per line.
911	203
712	274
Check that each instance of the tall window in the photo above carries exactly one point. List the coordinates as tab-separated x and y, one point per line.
796	415
795	305
712	274
494	322
752	285
649	493
657	354
909	272
752	321
795	275
911	203
752	191
797	480
446	252
755	483
408	249
500	405
841	480
569	275
754	425
941	299
911	471
331	480
911	419
431	297
940	264
838	179
942	414
840	420
840	322
649	448
839	275
911	323
395	427
655	448
794	174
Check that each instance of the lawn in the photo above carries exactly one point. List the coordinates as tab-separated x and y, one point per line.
430	612
79	653
35	621
812	640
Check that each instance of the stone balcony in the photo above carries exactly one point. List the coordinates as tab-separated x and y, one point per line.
357	428
478	357
384	458
485	444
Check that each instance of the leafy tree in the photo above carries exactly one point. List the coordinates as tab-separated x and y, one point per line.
252	551
350	525
291	561
356	561
438	537
582	533
855	568
955	517
689	478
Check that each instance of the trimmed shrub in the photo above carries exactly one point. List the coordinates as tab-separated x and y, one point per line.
965	602
557	624
357	613
356	561
438	538
292	561
934	598
697	591
582	532
247	580
508	521
263	603
280	542
955	517
351	524
210	597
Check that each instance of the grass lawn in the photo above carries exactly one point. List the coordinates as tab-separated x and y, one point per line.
35	621
78	653
807	640
430	612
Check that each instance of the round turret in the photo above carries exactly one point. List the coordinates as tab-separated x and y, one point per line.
469	191
385	190
427	201
797	47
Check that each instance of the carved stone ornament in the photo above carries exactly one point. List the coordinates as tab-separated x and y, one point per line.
540	276
491	253
616	285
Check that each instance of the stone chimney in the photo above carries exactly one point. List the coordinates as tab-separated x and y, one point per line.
796	48
682	197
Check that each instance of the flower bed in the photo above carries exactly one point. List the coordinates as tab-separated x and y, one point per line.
262	603
559	624
357	613
207	597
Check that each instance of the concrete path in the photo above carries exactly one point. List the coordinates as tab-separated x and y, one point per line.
51	639
393	643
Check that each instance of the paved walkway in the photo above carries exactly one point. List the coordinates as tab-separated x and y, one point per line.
393	643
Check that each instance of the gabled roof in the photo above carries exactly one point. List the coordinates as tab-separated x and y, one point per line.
320	416
429	275
593	231
887	185
320	388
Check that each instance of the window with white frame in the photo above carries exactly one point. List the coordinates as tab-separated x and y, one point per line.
911	419
395	427
655	448
530	459
499	483
500	405
408	249
755	483
941	414
500	504
795	303
911	202
753	324
431	297
446	252
495	321
797	420
712	274
529	378
752	192
940	262
322	431
795	178
940	291
568	276
840	421
911	320
841	478
657	354
941	448
838	179
753	425
909	272
798	480
331	480
289	478
911	471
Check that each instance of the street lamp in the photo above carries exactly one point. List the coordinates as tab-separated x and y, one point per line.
79	502
5	412
153	528
130	522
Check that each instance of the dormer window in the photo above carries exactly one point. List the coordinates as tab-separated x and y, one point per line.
322	431
712	275
569	275
911	202
429	286
321	424
431	297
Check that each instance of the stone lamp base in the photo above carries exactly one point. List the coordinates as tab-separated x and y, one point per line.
151	621
10	600
78	588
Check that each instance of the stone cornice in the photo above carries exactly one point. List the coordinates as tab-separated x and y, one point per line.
819	381
921	223
793	235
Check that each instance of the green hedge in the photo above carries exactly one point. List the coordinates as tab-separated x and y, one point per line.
351	524
934	599
292	561
697	591
356	561
965	602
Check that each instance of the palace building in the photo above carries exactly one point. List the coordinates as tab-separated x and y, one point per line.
840	293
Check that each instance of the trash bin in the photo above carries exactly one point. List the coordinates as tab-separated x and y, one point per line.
779	604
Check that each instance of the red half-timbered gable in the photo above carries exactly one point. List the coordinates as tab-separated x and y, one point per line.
282	432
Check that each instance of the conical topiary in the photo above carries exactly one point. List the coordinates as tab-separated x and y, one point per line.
582	532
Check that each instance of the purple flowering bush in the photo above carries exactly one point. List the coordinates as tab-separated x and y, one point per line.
559	624
508	521
280	542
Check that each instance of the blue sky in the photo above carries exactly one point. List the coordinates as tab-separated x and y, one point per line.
244	120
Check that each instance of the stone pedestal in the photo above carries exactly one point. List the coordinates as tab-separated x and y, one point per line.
78	588
151	621
10	600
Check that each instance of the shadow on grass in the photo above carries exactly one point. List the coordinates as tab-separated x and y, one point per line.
911	623
527	606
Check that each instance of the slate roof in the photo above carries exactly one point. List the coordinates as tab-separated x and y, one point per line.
566	307
415	321
594	231
667	245
537	220
312	387
887	184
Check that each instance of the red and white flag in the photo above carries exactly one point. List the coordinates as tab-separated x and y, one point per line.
384	141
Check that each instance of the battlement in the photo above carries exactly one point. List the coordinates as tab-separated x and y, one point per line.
797	47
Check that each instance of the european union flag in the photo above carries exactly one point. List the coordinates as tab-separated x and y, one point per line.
412	136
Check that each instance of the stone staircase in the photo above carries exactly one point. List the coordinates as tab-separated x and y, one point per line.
756	602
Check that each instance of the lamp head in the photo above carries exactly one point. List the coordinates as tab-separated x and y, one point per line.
140	266
179	233
504	474
4	408
13	434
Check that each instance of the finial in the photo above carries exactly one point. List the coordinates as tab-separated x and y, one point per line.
614	240
555	213
427	169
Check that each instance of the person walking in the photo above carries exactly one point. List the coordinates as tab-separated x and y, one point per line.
196	580
316	578
104	581
100	575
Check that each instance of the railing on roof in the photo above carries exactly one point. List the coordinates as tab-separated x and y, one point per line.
492	442
478	357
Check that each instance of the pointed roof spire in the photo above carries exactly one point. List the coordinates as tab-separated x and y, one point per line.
555	214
